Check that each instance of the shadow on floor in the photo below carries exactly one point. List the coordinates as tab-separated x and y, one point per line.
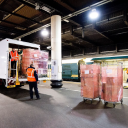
96	104
15	93
86	110
22	94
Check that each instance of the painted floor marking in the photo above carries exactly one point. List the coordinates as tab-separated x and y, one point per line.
70	89
72	82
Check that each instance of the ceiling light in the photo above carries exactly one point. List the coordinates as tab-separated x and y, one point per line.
46	9
37	6
69	14
66	20
93	14
49	47
44	32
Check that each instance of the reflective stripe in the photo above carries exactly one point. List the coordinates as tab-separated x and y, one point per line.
14	56
30	74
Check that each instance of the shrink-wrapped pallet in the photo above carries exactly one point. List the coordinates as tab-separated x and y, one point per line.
38	58
90	80
112	79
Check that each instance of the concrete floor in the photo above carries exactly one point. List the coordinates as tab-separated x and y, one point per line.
59	108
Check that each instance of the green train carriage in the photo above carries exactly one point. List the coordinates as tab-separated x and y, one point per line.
70	71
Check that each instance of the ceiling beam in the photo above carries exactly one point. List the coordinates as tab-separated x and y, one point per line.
7	16
74	22
58	8
20	16
121	33
115	8
66	5
108	11
98	30
76	13
80	36
17	9
65	43
84	39
54	6
10	30
66	46
18	25
65	17
125	18
126	22
112	30
2	1
28	3
70	43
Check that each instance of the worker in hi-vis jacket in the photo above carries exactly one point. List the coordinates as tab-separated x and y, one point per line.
13	57
32	78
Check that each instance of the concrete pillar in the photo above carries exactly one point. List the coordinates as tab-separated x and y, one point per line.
56	54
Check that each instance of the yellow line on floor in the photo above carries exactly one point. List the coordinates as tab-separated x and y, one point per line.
71	82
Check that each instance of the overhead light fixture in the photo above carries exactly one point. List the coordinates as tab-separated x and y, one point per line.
66	20
46	9
37	6
44	32
49	47
69	14
93	14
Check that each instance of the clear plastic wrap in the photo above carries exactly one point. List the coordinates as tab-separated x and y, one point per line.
90	80
112	83
38	58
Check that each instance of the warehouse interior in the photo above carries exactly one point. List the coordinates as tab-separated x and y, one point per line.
85	41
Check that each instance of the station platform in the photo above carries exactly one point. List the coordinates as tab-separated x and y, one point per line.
59	108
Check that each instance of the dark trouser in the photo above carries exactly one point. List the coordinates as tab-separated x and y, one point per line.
31	86
13	66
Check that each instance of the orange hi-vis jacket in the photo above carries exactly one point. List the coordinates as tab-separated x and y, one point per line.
127	71
14	56
30	74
